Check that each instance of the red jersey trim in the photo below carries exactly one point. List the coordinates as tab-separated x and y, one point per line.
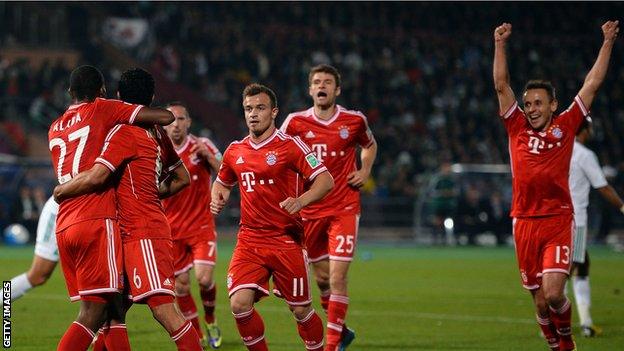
331	119
224	183
510	111
263	143
174	166
581	105
186	143
317	172
135	113
105	163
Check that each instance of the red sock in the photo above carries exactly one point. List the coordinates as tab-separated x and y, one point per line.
325	300
562	319
336	313
549	331
99	343
208	300
76	338
117	338
186	338
251	329
189	311
311	331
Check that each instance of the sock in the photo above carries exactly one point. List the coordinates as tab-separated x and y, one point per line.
208	300
19	286
186	338
582	295
251	329
336	313
99	343
325	300
76	338
562	318
549	331
117	338
311	331
189	311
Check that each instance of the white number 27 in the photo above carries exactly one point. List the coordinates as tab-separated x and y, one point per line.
82	134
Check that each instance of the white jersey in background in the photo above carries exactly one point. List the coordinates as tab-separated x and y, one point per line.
46	232
585	171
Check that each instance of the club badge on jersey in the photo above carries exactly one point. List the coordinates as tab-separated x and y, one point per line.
344	132
271	158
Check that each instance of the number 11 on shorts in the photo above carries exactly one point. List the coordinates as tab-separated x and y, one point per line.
297	286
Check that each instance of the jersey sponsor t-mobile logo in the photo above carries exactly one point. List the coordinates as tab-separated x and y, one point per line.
320	150
535	144
248	181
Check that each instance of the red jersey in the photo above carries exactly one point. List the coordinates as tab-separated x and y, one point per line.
265	176
139	155
540	161
75	140
189	210
334	141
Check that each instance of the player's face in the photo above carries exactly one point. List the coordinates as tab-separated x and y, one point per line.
258	113
178	130
539	108
323	89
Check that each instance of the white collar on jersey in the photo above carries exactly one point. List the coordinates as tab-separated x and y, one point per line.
329	121
263	143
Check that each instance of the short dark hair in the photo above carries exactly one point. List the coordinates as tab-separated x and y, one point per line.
255	89
542	84
585	124
324	68
85	82
136	86
175	103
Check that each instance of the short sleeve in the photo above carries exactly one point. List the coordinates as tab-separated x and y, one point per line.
169	156
514	119
574	115
304	161
364	135
226	175
212	148
592	170
118	111
288	127
118	147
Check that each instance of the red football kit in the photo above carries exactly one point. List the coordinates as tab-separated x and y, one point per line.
87	233
188	212
140	155
542	206
331	225
269	241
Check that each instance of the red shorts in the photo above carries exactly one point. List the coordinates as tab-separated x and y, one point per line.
196	249
91	258
251	268
543	245
149	268
331	237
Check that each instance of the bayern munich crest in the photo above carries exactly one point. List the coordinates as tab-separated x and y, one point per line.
344	132
271	158
557	133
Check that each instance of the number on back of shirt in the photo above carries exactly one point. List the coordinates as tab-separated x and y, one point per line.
81	135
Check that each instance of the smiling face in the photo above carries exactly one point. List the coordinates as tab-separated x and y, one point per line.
539	108
324	90
259	115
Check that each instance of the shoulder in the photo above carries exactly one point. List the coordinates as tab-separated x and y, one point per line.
292	142
354	115
294	117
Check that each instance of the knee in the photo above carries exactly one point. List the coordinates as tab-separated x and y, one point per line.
205	281
300	312
239	306
554	298
182	287
322	280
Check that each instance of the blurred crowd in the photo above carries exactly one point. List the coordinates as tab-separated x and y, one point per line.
421	72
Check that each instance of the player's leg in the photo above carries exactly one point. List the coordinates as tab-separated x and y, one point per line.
544	321
181	331
580	283
309	326
321	275
343	232
40	271
204	259
560	307
247	281
316	243
183	262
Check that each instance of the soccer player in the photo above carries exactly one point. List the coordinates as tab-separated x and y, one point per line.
192	224
87	233
46	253
585	172
540	146
331	225
269	238
138	155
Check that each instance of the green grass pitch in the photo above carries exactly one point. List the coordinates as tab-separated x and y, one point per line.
402	298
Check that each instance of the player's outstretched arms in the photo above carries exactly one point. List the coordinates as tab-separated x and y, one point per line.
177	180
321	186
220	195
149	116
84	183
596	75
502	84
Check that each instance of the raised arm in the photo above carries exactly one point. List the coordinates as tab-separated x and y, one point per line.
596	75
321	185
149	116
177	180
84	183
502	84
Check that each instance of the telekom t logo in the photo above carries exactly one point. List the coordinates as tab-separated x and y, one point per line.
248	180
320	150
